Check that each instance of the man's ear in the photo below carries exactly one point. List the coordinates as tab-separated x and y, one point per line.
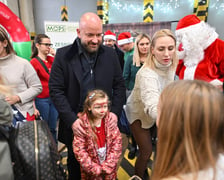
78	32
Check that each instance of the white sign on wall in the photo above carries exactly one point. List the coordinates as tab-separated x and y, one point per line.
61	33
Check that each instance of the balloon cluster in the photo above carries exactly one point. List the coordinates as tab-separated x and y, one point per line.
17	31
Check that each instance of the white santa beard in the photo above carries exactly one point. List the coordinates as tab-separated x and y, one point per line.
181	54
193	55
195	39
193	50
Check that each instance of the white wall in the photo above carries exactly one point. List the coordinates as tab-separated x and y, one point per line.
127	11
49	10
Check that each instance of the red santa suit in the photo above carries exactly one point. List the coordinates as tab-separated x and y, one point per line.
201	52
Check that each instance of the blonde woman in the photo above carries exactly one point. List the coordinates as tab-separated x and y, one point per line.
190	132
141	108
131	67
135	61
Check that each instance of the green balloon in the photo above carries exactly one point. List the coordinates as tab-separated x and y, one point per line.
23	49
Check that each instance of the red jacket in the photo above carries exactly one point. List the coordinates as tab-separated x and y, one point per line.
211	67
43	75
85	150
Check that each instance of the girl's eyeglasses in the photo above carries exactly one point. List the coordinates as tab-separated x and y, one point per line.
46	44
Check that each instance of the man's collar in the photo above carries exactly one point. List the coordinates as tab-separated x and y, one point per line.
80	47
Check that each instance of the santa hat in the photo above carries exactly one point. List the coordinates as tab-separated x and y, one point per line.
124	38
192	25
188	23
109	35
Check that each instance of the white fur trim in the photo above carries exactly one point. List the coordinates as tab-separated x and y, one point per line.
195	40
109	37
181	54
125	41
212	35
216	82
189	28
189	72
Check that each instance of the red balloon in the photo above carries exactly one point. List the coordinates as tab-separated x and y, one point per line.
13	24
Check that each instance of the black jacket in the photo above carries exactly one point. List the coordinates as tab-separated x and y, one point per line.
120	55
65	84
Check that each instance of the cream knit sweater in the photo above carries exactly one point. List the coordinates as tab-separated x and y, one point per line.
22	78
142	103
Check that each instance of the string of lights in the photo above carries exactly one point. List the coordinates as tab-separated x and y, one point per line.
120	5
219	4
164	6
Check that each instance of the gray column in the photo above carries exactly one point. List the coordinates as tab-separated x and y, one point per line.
26	15
13	6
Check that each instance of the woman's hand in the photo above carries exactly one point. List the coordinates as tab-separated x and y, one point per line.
36	113
12	99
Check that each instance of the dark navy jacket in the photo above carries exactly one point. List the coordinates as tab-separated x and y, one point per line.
66	81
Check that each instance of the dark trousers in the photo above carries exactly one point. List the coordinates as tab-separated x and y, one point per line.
74	172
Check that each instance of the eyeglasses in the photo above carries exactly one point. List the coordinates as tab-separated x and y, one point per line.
46	44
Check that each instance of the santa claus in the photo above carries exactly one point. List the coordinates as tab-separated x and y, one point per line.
201	52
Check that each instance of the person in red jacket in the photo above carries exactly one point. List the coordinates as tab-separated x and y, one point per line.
99	148
42	61
200	51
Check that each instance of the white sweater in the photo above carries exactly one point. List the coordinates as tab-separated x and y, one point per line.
22	78
142	103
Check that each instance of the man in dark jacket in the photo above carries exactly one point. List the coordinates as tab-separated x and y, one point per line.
110	41
78	68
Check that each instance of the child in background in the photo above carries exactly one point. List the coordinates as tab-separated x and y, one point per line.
99	149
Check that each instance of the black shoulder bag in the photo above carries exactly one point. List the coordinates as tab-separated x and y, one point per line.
42	63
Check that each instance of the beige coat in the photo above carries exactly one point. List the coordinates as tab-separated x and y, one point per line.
142	103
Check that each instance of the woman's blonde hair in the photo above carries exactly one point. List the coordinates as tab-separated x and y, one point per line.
4	89
136	55
190	128
161	33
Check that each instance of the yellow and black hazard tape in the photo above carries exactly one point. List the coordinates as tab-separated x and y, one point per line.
148	11
201	9
64	13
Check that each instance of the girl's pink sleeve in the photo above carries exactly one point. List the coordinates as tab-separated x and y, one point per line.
81	154
114	146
